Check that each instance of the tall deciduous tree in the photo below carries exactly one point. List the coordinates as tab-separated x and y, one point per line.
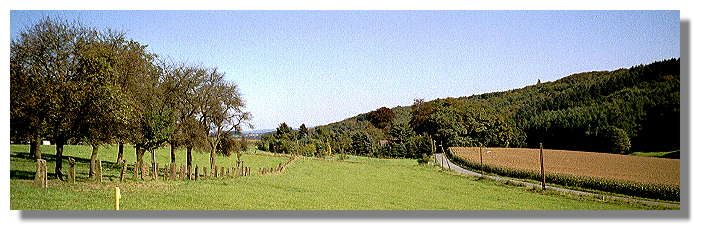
41	59
303	132
381	118
181	84
221	110
104	108
135	70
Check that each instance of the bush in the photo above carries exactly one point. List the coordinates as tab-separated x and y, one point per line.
362	143
308	150
228	145
341	157
616	140
425	159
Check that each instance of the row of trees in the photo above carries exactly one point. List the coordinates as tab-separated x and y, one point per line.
382	137
74	84
635	109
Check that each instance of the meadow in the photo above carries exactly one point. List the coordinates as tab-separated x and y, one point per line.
333	183
628	174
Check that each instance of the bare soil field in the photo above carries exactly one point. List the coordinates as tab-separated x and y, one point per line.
648	170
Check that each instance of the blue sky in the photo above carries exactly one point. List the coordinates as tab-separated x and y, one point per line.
317	67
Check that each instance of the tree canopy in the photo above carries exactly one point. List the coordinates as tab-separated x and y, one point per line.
75	84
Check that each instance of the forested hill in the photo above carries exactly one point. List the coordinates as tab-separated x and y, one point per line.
621	111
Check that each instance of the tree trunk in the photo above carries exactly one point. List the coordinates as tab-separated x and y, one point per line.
212	158
189	160
140	159
32	148
119	155
94	159
173	156
59	159
35	148
154	161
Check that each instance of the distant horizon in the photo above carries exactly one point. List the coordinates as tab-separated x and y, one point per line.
320	67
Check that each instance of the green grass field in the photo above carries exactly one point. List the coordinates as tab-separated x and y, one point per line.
356	183
672	154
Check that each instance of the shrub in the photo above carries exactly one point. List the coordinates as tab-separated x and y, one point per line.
341	157
362	143
616	139
425	159
228	145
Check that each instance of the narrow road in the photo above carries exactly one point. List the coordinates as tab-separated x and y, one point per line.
443	161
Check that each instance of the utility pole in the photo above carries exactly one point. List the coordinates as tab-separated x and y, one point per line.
543	176
482	167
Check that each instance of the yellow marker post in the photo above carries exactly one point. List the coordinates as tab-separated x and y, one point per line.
117	198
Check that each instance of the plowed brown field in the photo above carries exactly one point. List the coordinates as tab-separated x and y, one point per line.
647	170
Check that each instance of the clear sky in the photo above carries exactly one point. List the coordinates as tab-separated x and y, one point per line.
317	67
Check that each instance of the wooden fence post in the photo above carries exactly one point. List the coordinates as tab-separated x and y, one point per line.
144	172
135	173
195	175
480	148
181	172
172	171
99	171
156	171
543	176
40	178
482	165
122	170
117	198
72	170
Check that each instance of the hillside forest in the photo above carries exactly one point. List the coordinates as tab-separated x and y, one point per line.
620	111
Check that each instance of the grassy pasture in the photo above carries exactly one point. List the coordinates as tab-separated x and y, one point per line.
356	183
631	175
23	166
671	154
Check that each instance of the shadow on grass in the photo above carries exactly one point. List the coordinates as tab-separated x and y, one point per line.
22	175
52	158
673	155
29	175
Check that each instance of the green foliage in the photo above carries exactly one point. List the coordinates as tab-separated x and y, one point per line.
284	131
457	123
78	84
228	145
381	118
642	102
615	139
362	144
308	150
303	132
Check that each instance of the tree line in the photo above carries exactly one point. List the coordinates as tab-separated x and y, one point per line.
73	84
621	111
